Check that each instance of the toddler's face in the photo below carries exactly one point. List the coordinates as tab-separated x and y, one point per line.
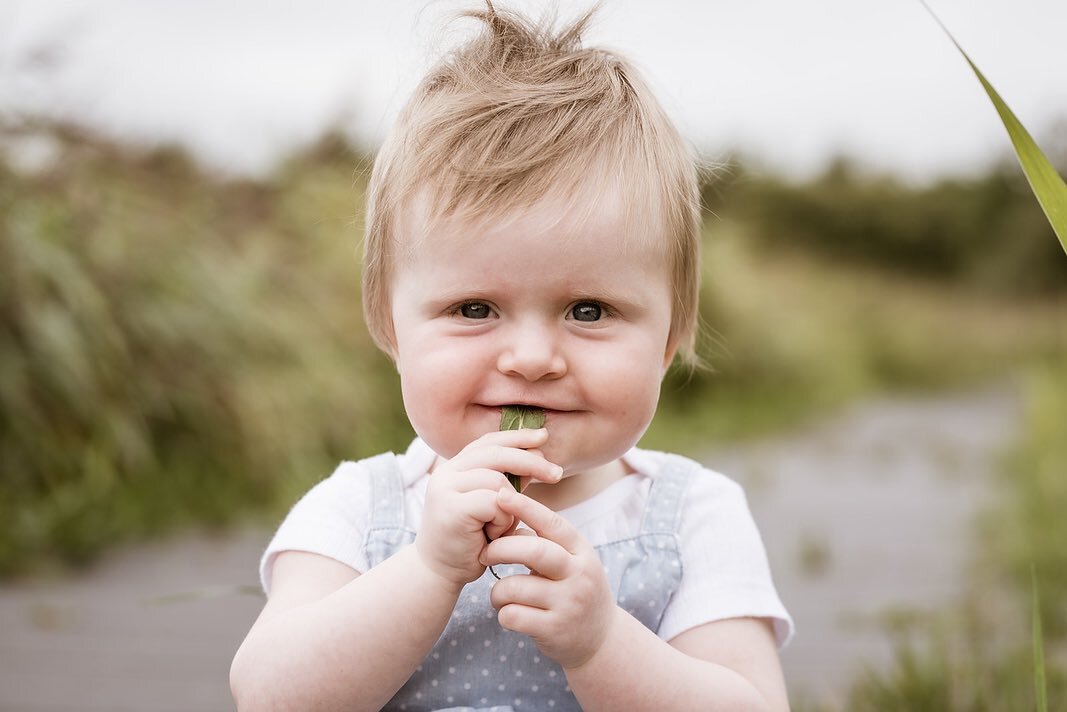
566	315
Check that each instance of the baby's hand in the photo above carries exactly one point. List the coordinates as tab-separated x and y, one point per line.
565	604
461	500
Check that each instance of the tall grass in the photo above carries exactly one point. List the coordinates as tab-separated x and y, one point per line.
984	231
176	348
1038	640
1031	530
1045	181
790	333
179	349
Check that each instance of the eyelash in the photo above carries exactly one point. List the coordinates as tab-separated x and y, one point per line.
605	310
457	310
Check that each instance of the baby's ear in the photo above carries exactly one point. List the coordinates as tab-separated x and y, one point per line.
669	353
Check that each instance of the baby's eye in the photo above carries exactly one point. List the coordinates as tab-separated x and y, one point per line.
474	310
586	311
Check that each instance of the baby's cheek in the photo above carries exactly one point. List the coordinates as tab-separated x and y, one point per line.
444	425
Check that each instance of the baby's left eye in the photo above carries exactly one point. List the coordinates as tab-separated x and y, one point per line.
586	311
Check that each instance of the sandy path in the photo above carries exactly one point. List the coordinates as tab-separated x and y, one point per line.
870	509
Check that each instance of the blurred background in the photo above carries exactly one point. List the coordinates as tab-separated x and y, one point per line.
183	353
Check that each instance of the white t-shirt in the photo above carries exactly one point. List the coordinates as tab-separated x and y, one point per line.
725	573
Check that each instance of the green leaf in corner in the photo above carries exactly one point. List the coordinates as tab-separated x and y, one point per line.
1048	186
517	417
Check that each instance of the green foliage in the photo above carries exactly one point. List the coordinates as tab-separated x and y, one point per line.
1032	530
1028	527
1046	183
180	349
952	680
985	232
989	653
789	335
1038	644
175	348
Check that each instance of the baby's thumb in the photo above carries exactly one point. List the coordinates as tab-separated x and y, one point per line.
502	525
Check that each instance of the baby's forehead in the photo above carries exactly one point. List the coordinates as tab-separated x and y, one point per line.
629	225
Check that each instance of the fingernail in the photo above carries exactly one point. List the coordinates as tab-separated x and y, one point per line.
482	558
557	472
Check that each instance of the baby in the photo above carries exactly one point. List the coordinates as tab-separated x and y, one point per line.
532	240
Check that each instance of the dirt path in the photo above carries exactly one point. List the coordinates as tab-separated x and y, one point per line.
868	510
101	641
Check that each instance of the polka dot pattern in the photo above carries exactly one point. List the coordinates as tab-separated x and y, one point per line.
477	666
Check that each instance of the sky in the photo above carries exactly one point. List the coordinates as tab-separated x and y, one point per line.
787	84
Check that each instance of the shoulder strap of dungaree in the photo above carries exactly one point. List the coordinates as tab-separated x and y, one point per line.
664	507
387	498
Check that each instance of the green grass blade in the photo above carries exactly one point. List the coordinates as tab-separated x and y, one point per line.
1048	186
1040	685
517	417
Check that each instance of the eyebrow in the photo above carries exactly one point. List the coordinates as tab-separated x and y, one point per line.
621	299
609	295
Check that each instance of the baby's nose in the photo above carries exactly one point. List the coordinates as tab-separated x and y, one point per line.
532	352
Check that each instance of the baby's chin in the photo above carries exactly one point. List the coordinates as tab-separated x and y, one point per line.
581	461
581	455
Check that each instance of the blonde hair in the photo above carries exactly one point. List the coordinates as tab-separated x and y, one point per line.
518	114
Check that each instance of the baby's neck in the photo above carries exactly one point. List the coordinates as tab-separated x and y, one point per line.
576	488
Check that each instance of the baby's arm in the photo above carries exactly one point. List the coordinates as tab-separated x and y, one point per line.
330	638
611	660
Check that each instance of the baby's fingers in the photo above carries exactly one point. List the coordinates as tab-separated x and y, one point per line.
524	439
543	556
500	526
524	590
545	523
527	464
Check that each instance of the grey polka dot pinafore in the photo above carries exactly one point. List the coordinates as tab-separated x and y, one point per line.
478	666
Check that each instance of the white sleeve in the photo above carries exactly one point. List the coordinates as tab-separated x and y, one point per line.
331	519
725	573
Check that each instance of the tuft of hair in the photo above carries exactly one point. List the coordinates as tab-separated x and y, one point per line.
523	113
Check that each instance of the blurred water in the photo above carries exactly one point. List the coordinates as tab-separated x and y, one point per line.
868	510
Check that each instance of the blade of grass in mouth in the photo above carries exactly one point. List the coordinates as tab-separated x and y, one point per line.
517	417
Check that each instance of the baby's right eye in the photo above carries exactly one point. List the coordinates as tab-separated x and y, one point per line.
474	310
